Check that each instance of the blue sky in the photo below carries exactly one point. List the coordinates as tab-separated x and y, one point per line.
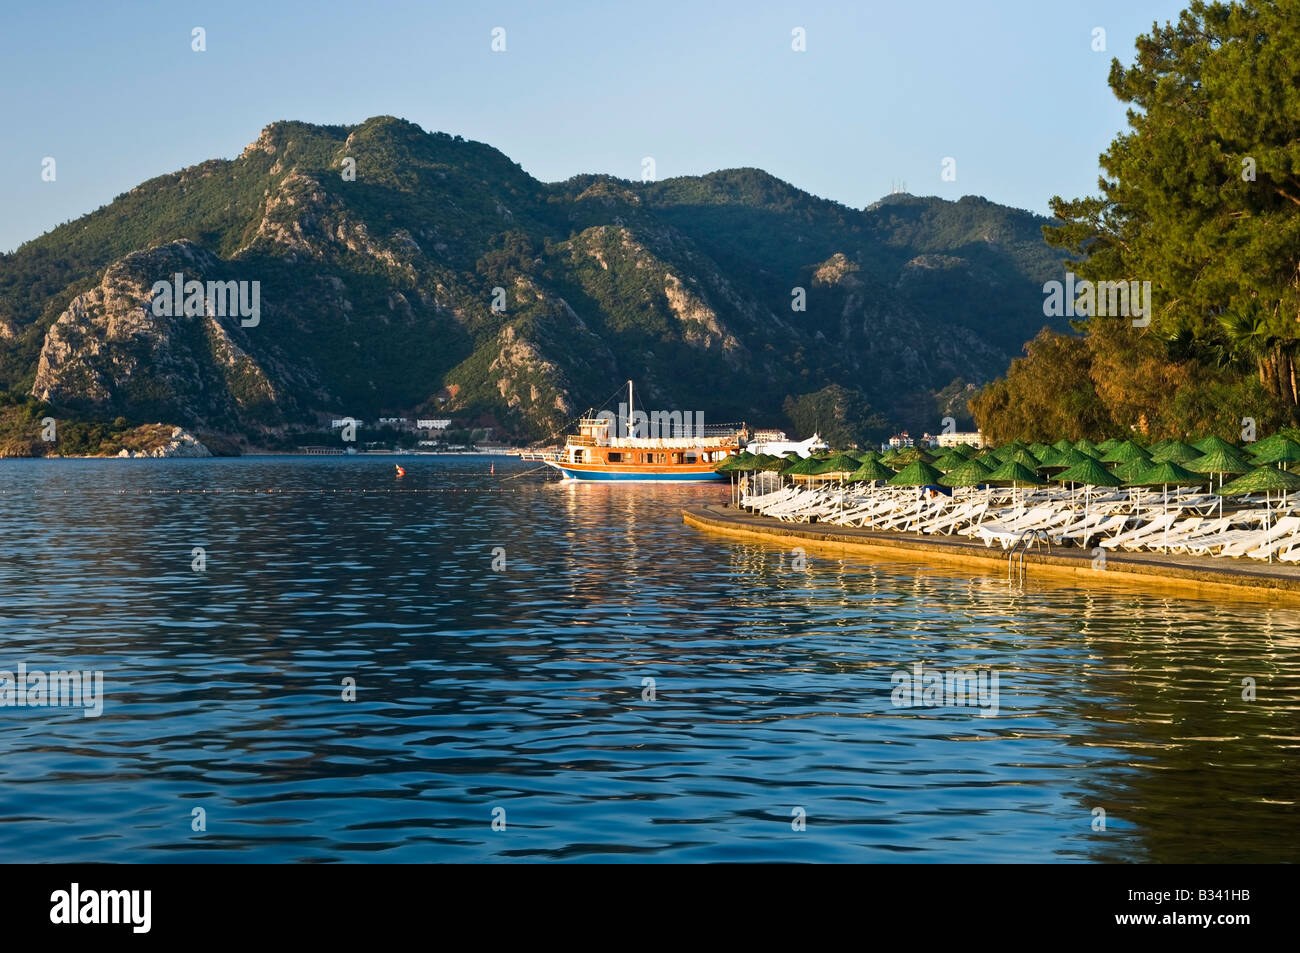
1012	90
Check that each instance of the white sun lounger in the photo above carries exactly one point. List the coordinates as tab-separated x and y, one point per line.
1157	525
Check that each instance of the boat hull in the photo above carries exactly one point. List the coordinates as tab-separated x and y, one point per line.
609	473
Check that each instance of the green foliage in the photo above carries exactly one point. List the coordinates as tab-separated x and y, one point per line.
1202	198
840	414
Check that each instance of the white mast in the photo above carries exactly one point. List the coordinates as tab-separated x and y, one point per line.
629	410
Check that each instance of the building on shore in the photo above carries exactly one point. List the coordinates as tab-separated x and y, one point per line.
971	439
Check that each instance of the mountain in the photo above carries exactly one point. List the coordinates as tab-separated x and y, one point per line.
377	292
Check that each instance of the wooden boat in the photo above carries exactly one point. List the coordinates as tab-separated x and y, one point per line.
596	452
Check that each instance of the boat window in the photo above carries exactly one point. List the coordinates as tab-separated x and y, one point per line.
614	457
690	458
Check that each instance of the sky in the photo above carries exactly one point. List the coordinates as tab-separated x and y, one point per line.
1012	90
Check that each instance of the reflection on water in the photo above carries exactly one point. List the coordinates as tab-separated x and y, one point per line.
525	689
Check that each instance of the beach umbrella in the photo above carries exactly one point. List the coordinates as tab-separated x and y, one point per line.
1087	446
1023	457
1261	480
1218	462
1266	480
804	466
1052	459
1212	443
1174	451
1133	469
1165	475
1125	453
837	465
1285	450
970	473
769	462
871	471
912	454
866	455
1062	445
948	461
1089	472
1267	444
733	464
917	473
1015	475
965	450
1107	445
1038	449
1070	458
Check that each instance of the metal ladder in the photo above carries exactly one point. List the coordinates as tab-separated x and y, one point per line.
1021	546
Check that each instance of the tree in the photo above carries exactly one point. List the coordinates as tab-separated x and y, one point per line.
1201	195
840	414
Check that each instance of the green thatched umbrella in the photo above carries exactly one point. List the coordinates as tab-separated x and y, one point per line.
1023	457
1014	475
1175	451
871	471
1210	444
1168	474
1062	445
1087	446
1261	480
806	466
1267	444
837	466
1038	449
866	455
771	463
1107	445
1070	458
1126	452
1218	462
1089	472
1165	475
1285	450
1053	459
1133	469
965	449
735	463
912	454
917	473
970	473
948	461
1266	480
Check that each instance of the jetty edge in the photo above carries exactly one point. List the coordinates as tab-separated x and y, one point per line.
1189	576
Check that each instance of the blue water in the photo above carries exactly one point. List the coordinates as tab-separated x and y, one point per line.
518	691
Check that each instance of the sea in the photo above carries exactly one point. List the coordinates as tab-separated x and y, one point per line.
312	659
